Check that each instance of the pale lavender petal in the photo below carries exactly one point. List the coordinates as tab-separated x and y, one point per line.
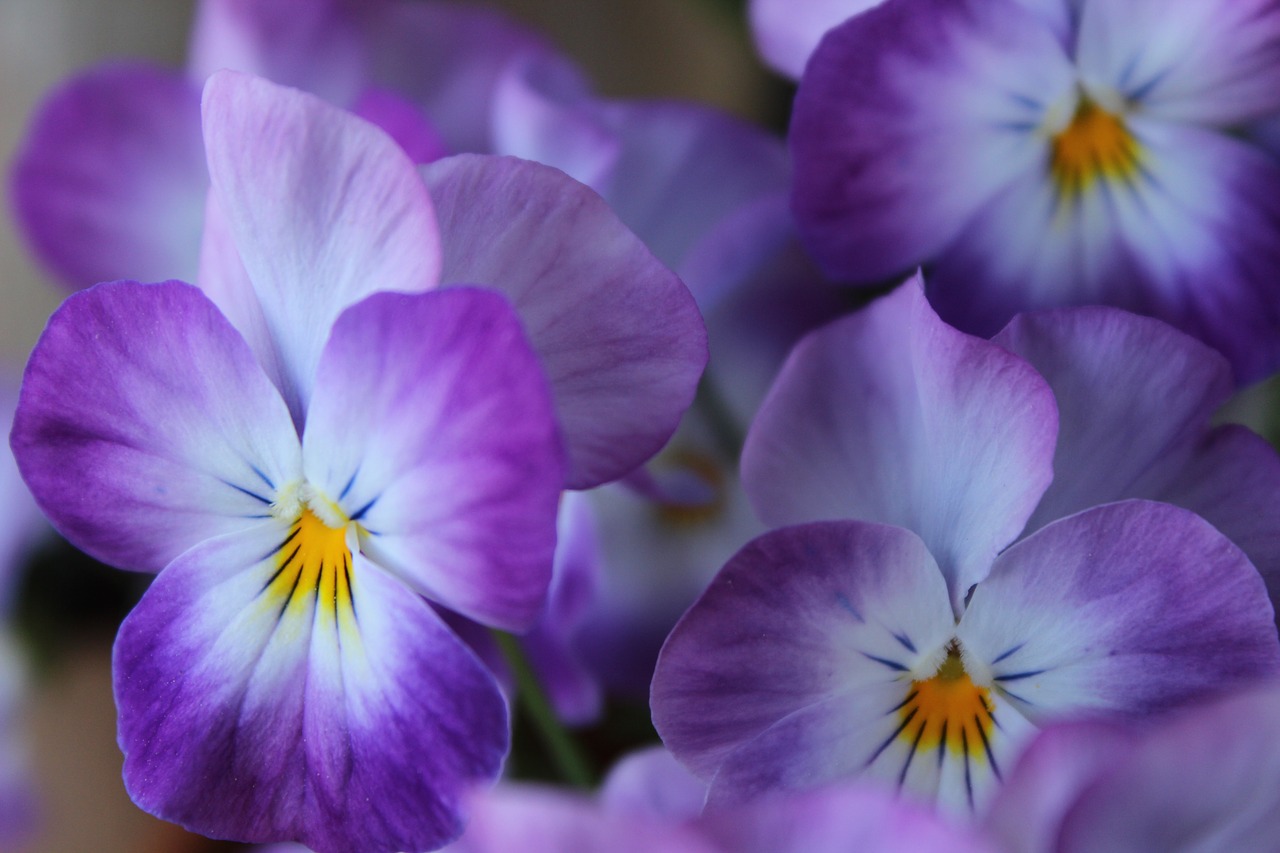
617	333
1207	781
146	426
891	415
652	783
431	427
817	615
284	165
1126	609
314	46
110	181
909	118
255	708
787	32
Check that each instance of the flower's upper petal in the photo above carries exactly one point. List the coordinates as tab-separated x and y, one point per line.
787	33
807	616
909	118
145	426
432	427
286	168
404	122
1206	781
618	334
1124	609
314	46
268	699
110	181
1201	61
1190	238
447	58
890	415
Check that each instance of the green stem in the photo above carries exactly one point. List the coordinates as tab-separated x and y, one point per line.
569	760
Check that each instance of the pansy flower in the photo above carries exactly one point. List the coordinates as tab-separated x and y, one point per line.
1043	154
923	642
316	440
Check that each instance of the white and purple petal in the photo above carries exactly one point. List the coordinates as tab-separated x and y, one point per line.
432	427
617	333
890	415
145	425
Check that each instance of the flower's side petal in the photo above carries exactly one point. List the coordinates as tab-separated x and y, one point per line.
447	58
110	181
267	711
1131	393
145	426
799	617
891	415
432	427
650	782
787	33
910	116
313	46
1048	777
1125	609
1200	61
618	334
286	166
1207	781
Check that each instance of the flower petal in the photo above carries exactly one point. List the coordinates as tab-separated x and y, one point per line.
432	427
617	333
145	426
911	116
1125	609
890	415
650	782
110	181
263	712
800	617
787	33
283	165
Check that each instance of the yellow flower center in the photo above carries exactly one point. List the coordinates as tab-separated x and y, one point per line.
1095	145
949	711
314	562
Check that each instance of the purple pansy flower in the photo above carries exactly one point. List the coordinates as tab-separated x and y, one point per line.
917	644
306	456
1043	154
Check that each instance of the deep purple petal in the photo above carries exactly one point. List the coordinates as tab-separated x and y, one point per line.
1126	609
801	616
432	427
284	165
258	712
110	181
618	334
890	415
146	426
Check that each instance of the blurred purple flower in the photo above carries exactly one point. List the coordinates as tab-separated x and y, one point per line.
924	653
1086	152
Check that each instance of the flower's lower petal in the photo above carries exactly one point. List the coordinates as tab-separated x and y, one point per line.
617	333
432	428
1201	61
1125	609
650	782
336	710
1208	780
145	426
1190	239
110	182
890	415
909	118
283	164
797	617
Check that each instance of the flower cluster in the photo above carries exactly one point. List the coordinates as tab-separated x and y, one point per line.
449	403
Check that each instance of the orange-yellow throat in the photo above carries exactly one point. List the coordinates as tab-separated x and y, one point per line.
314	562
949	710
1095	146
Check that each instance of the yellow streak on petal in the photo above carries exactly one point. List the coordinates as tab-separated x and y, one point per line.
314	564
949	705
1094	146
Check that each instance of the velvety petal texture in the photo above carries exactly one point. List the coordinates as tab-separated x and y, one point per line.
432	428
145	425
110	181
891	415
617	333
310	243
264	710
